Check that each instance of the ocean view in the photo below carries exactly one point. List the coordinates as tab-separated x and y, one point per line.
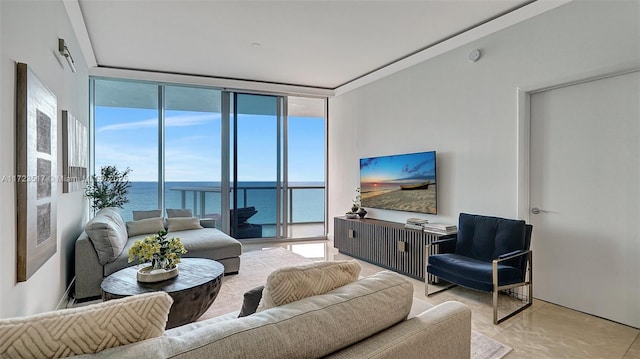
308	203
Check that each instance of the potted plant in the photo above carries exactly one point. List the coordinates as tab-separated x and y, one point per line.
163	253
110	189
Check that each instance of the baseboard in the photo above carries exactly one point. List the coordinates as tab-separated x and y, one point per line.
66	301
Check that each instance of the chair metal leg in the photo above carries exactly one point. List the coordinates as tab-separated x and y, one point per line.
497	289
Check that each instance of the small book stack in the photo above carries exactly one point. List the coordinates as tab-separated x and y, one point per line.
415	223
440	228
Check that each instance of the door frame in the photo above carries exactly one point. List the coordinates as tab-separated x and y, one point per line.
523	95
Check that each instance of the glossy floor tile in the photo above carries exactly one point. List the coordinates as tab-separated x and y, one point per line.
544	330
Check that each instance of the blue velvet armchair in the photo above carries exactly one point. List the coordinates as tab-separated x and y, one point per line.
489	254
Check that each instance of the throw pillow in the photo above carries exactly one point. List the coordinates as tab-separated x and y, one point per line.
138	215
289	284
87	329
107	232
183	223
250	302
145	226
179	212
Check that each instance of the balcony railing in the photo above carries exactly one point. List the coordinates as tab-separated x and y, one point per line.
314	204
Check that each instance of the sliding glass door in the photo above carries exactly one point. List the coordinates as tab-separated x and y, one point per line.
256	166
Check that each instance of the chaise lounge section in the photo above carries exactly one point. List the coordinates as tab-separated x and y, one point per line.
103	246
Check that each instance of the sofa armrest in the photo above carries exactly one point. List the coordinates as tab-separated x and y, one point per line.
441	332
89	271
208	222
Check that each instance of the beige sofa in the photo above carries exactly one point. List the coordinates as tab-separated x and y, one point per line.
106	251
363	319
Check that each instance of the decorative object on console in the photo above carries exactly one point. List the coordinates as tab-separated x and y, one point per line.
415	223
362	212
404	182
110	189
351	215
36	184
356	201
164	255
440	228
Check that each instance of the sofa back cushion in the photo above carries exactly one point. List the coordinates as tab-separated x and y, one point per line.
154	213
87	329
179	212
289	284
108	234
308	328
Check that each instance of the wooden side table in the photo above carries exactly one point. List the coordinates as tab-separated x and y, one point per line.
193	290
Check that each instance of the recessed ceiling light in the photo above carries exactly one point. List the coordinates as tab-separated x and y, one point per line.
256	44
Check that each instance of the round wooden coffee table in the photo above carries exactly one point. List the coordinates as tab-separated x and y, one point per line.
193	290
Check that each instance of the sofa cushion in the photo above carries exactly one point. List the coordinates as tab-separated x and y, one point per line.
183	224
179	212
309	328
250	301
87	329
154	213
289	284
108	234
145	226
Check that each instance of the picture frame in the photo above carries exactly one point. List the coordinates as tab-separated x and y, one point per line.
75	153
36	172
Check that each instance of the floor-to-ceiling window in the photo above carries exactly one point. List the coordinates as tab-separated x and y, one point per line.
125	134
192	149
188	146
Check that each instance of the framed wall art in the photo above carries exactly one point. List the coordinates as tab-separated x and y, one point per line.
36	172
75	153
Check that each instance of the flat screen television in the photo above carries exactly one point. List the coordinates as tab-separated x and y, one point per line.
405	182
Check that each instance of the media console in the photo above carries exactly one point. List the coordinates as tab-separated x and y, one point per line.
386	244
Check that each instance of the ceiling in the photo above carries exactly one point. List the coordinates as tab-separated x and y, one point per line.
319	44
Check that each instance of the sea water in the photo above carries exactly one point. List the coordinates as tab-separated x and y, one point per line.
307	203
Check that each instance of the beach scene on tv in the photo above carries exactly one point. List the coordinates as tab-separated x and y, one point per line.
400	182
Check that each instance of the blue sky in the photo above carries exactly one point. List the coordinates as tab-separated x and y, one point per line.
128	137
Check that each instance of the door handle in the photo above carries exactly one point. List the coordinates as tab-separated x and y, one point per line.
536	210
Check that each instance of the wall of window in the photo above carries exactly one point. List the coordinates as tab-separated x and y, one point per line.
186	146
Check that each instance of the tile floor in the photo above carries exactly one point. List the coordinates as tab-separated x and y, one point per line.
544	330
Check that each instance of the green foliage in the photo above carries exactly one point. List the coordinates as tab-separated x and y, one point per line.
109	189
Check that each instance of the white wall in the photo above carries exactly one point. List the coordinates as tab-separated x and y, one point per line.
467	112
29	33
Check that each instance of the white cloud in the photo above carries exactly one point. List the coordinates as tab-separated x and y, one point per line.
172	121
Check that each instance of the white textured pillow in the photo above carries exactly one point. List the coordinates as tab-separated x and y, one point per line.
87	329
183	223
289	284
145	226
108	233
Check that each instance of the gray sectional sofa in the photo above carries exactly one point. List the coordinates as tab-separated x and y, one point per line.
103	246
370	318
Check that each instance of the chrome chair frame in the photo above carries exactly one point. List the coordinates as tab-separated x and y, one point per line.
496	288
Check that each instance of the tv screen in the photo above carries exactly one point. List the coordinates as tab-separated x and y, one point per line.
404	182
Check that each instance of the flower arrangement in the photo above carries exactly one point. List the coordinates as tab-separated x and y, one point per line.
163	253
356	201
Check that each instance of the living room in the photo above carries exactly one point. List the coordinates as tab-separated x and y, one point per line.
468	111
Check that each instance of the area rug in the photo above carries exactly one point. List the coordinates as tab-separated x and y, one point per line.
255	266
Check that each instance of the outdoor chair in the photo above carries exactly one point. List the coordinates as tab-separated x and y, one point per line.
489	254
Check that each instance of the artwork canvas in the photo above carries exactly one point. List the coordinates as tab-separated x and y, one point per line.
35	179
75	153
405	182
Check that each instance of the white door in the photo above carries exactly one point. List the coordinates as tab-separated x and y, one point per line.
585	180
